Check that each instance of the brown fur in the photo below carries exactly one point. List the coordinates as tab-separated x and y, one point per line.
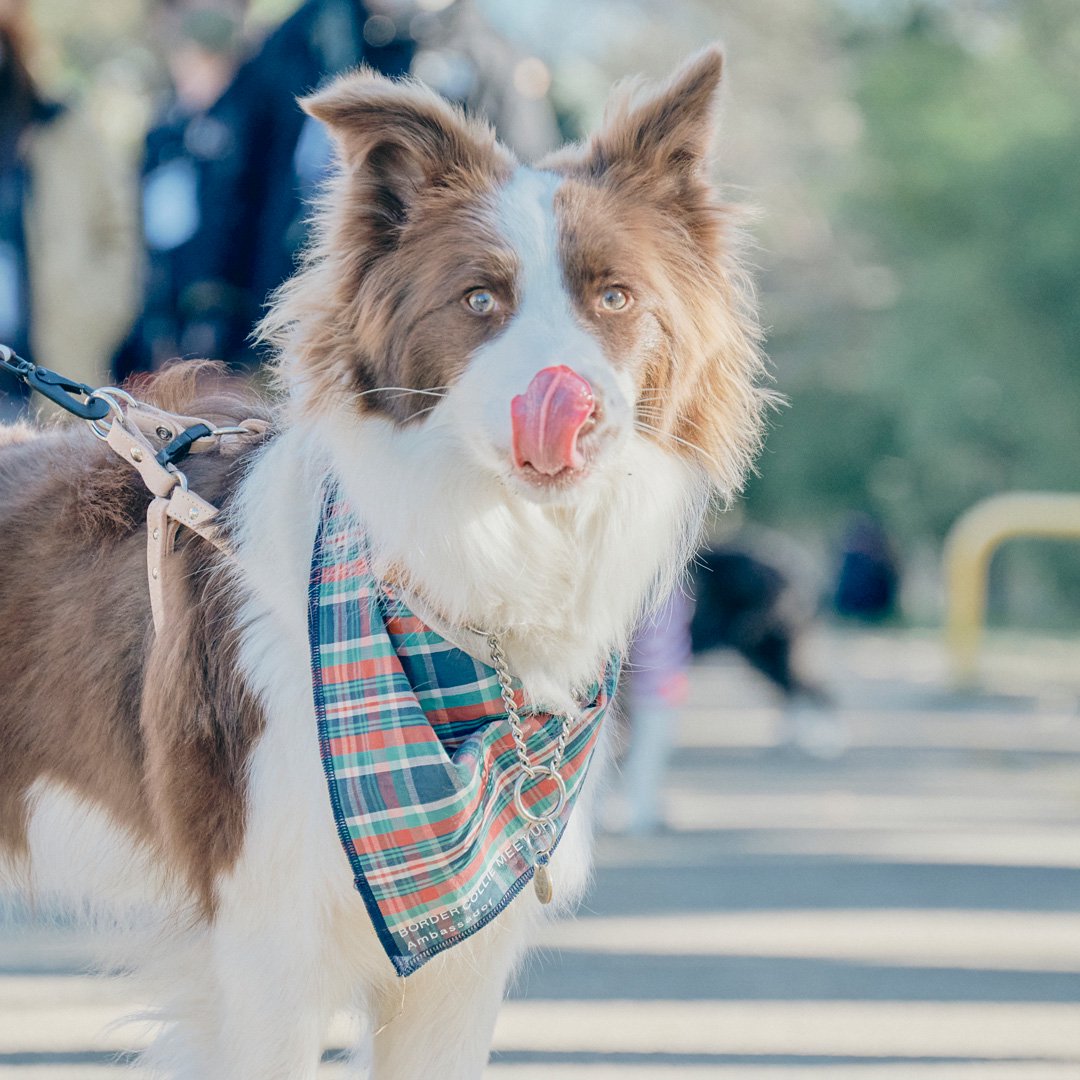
154	730
638	210
419	180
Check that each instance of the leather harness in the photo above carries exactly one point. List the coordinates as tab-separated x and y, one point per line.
128	425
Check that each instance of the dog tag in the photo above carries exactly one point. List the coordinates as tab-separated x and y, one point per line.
542	884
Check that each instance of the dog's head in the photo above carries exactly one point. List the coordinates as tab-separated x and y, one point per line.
544	318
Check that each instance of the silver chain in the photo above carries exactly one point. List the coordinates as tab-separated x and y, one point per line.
498	660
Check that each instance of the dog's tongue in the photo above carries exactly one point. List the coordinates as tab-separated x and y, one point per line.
547	419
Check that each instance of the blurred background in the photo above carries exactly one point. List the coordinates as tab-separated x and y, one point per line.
879	838
911	166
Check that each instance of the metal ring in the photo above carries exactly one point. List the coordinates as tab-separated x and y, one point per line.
181	478
115	391
109	394
538	772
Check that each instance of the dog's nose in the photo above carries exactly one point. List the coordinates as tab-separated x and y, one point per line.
548	418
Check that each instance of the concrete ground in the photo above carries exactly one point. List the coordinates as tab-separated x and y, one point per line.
908	911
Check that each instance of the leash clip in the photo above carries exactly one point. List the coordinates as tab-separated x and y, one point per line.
65	392
59	389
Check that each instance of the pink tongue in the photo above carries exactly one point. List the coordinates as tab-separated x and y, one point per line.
547	419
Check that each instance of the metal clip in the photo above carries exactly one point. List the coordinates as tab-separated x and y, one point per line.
58	388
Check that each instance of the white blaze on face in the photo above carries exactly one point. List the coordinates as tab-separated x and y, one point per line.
544	332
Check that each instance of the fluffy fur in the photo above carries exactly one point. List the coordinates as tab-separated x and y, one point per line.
187	764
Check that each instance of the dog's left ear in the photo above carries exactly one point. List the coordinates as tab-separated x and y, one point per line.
402	138
665	132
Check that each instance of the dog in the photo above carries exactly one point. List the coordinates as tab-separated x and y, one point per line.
526	383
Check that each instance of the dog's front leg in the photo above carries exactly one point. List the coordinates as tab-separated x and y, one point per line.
439	1021
278	974
272	1006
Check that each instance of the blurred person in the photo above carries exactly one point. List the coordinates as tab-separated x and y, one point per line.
67	245
655	686
269	159
869	577
187	308
749	594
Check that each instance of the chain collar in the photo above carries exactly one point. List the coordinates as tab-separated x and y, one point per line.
544	832
543	837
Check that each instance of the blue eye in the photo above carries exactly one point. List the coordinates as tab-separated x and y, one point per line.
481	301
614	299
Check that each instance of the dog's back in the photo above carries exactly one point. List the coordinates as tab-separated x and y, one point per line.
87	697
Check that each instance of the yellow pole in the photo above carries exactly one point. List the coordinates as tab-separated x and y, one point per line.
971	544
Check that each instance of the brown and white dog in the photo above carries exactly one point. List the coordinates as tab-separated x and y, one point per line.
600	289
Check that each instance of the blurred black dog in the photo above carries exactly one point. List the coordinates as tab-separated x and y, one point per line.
748	604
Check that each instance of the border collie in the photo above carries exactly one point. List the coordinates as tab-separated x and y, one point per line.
526	381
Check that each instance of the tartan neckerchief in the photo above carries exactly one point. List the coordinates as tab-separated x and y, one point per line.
419	756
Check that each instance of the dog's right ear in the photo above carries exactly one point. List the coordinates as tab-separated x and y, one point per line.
402	138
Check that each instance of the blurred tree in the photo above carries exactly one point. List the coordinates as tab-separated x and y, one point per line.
966	380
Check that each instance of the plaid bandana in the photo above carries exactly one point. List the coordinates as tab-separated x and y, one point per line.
420	759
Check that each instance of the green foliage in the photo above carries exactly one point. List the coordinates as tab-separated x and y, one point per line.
967	192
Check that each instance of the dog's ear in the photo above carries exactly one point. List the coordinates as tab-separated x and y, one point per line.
662	132
654	144
402	138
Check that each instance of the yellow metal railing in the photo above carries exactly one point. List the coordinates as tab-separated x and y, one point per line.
970	546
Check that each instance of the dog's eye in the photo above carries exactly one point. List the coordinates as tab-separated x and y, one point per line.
481	301
614	299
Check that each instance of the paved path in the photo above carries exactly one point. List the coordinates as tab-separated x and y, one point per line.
910	911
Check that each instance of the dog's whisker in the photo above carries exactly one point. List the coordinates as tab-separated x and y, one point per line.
655	413
640	425
433	391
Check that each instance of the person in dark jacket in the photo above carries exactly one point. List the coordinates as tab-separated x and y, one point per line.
227	176
264	159
187	306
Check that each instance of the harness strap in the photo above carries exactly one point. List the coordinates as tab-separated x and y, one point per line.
164	517
173	506
132	446
128	425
